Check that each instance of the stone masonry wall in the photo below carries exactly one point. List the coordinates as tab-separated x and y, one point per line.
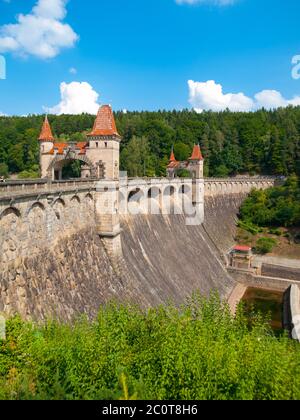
74	277
30	224
53	262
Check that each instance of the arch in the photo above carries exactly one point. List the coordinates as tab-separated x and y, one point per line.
169	200
12	232
135	195
35	206
135	201
10	210
59	207
36	227
61	160
59	201
170	190
75	198
154	200
89	197
154	192
186	198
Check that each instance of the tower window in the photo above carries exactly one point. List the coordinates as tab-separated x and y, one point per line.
97	145
105	144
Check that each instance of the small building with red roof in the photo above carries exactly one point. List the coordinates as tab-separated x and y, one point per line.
242	257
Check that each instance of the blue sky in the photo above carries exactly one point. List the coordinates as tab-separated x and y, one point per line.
148	54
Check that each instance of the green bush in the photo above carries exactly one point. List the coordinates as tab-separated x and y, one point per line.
265	245
275	231
249	227
3	170
183	173
199	351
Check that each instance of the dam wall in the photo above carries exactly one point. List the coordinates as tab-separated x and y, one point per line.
221	217
34	220
163	260
57	247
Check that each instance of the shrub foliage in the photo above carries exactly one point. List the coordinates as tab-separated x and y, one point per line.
199	351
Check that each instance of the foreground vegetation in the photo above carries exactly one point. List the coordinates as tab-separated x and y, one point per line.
198	352
262	142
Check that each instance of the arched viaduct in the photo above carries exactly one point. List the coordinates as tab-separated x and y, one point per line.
34	215
52	262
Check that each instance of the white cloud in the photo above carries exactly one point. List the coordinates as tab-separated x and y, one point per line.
72	70
209	96
41	33
76	98
211	2
273	99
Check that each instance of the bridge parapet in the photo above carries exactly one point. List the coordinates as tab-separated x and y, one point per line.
238	185
24	188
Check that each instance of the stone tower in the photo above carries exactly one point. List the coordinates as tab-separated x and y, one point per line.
196	163
99	154
104	143
46	141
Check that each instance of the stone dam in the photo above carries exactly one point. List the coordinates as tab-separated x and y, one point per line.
61	255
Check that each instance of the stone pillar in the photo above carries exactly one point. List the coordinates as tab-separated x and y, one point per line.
198	203
85	172
107	216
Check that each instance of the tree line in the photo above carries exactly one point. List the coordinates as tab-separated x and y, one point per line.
262	142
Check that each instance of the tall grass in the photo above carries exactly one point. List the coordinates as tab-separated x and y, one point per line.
199	351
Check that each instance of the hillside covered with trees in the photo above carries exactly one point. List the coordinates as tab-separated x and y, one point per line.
262	142
270	219
275	207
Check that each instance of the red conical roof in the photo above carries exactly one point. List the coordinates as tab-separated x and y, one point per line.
173	162
105	123
46	133
172	157
196	155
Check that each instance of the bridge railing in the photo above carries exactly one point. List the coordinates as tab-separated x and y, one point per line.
40	185
244	179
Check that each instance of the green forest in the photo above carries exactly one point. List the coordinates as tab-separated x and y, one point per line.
274	207
269	218
262	142
127	353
